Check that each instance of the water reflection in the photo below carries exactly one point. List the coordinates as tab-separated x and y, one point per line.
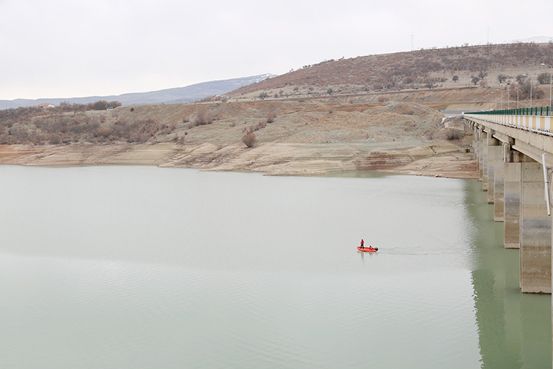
514	329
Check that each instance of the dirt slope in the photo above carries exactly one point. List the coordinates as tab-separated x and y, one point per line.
292	137
433	68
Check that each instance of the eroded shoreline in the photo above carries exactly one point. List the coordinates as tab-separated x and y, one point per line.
269	159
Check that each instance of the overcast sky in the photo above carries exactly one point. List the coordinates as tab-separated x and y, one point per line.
64	48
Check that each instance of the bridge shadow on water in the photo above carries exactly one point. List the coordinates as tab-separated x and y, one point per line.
514	329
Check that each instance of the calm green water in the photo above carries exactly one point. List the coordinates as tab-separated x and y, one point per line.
136	267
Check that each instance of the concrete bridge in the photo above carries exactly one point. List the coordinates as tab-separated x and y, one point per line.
514	150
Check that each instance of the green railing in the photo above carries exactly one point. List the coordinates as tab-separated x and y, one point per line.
538	110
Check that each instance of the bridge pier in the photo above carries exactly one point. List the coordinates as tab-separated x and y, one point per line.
484	160
499	188
512	191
535	232
494	160
476	144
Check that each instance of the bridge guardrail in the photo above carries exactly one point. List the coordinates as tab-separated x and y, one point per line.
536	119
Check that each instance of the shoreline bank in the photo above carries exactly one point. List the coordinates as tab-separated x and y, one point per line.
269	159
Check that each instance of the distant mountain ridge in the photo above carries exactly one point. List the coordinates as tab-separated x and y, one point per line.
176	95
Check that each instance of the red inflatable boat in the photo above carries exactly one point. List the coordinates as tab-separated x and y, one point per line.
367	249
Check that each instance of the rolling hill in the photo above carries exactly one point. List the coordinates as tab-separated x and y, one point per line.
167	96
453	67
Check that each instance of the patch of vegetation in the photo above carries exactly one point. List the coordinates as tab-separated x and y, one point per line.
501	78
80	128
525	91
521	78
249	139
544	78
271	116
454	134
202	118
66	124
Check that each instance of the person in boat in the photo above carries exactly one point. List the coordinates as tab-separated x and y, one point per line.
362	243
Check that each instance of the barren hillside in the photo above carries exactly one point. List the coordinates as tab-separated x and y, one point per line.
422	69
377	112
289	137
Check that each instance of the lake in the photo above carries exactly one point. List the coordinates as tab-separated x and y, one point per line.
143	267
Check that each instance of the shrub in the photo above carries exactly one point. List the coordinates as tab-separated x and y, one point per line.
502	78
521	78
103	105
430	84
329	91
249	139
203	117
55	140
455	78
454	134
475	80
271	116
263	95
104	131
544	78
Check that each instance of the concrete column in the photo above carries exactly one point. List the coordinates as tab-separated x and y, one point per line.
499	188
484	160
512	188
476	145
494	159
535	232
